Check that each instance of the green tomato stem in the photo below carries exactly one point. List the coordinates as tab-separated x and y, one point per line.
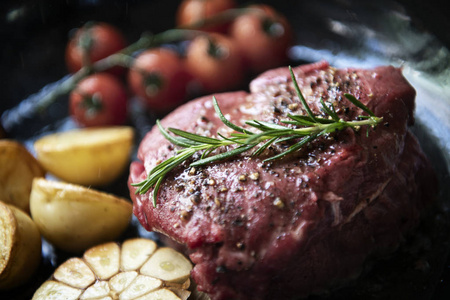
124	57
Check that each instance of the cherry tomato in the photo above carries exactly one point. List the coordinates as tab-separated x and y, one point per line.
91	43
264	37
216	62
192	11
99	100
159	77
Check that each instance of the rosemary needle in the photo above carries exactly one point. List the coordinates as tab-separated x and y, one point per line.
305	129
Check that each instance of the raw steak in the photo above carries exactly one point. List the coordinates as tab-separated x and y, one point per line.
308	222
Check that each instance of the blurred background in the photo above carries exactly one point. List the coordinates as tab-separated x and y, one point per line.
34	32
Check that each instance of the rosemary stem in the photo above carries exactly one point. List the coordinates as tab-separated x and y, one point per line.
318	127
245	140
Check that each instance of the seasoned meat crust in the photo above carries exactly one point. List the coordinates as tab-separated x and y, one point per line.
308	222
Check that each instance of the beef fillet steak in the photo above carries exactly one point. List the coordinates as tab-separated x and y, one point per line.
296	226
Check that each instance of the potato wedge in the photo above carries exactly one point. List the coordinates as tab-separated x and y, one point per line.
18	168
20	247
116	269
73	217
88	156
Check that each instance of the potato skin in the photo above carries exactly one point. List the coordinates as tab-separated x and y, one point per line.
18	168
20	247
74	218
89	156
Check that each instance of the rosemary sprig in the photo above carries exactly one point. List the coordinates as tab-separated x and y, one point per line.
305	129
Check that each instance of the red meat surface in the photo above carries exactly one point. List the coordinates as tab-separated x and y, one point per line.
295	226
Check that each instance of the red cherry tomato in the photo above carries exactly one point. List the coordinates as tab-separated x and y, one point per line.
159	77
91	43
99	100
216	62
264	37
192	11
